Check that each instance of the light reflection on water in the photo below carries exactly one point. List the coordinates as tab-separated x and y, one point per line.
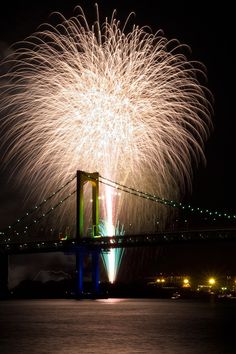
125	326
111	300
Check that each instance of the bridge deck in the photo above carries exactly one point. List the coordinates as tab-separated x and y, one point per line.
106	243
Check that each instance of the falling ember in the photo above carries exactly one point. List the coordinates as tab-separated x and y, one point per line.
112	258
110	262
109	211
128	105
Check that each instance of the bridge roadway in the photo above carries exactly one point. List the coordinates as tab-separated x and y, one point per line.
105	243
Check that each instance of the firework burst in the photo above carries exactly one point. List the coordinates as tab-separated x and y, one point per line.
128	105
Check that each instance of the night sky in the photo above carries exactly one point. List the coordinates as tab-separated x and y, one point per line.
208	30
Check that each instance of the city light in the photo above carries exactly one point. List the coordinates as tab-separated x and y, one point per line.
186	283
160	280
211	281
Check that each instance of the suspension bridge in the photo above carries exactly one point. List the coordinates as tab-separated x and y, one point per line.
23	237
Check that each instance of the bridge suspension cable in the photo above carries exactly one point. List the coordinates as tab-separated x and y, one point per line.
164	201
122	187
40	205
36	220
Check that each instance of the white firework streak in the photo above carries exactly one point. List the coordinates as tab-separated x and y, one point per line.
129	106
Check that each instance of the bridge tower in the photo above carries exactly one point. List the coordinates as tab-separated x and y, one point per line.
82	179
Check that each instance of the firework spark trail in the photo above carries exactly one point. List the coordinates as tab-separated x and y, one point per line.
129	106
113	257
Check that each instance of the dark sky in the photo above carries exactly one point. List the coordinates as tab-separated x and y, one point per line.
207	29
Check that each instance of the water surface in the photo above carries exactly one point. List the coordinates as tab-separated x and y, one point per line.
117	326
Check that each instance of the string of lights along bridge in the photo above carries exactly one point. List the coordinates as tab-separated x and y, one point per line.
116	186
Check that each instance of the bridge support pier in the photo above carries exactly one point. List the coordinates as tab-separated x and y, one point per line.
95	272
79	273
79	291
3	276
